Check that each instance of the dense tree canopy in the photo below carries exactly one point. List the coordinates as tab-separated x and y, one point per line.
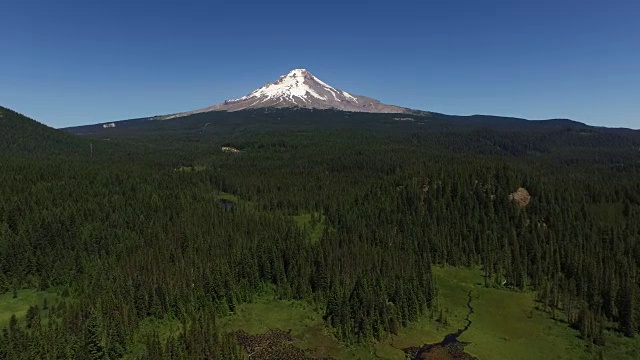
137	231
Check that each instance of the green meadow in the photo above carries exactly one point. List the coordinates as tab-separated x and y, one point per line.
19	305
506	325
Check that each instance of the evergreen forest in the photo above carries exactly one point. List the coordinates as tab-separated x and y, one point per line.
351	214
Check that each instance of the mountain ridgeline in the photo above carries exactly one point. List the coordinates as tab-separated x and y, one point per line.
141	261
480	134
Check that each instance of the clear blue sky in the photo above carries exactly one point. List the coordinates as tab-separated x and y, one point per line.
66	63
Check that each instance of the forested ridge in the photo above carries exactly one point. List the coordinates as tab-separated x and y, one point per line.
126	233
21	135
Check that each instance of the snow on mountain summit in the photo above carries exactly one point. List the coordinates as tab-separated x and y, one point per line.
301	84
300	89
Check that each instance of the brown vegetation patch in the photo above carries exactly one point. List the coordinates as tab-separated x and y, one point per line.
521	197
275	344
453	351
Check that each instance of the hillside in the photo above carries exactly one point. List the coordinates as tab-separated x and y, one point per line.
22	135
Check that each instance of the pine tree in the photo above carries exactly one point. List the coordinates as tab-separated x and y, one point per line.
92	349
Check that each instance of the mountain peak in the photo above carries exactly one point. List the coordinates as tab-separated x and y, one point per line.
300	89
298	72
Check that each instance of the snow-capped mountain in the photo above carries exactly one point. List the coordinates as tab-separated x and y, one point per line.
300	89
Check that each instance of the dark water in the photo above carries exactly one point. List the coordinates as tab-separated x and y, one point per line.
452	338
226	204
450	343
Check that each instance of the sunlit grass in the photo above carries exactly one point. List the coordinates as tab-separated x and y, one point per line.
19	305
313	230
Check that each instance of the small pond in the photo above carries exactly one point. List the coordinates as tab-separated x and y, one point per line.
226	204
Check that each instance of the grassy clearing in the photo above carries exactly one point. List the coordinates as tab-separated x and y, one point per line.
19	306
266	313
196	168
620	347
163	327
506	324
309	331
313	228
237	201
228	197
